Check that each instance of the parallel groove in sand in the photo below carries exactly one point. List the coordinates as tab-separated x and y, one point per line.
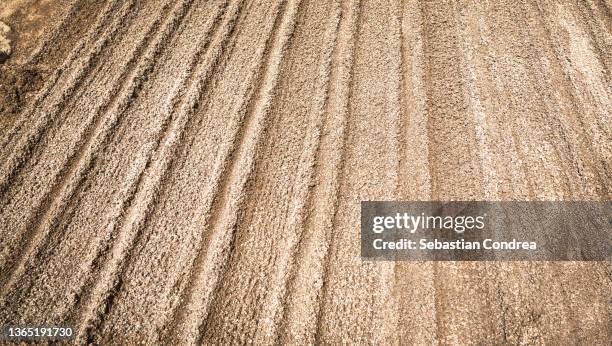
18	128
14	157
149	183
291	121
149	60
209	263
95	135
308	177
368	172
306	278
41	219
414	289
139	219
456	170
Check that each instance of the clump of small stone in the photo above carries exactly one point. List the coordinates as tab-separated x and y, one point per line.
5	43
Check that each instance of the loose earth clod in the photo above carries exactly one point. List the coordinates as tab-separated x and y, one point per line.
5	43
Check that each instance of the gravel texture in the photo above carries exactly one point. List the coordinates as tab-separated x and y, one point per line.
190	171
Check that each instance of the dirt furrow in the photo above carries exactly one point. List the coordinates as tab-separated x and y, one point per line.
138	270
369	173
414	289
302	301
155	173
282	178
222	223
584	101
191	171
23	76
153	233
71	136
598	33
456	174
525	286
273	306
526	326
19	142
36	37
63	225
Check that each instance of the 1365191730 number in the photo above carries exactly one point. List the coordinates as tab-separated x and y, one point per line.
36	332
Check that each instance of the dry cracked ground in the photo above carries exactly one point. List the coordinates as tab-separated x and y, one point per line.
190	171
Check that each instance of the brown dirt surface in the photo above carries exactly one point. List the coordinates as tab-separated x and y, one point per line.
190	171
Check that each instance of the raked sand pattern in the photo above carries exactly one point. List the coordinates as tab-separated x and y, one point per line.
190	171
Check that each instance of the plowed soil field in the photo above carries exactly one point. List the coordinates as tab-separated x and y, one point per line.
190	171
